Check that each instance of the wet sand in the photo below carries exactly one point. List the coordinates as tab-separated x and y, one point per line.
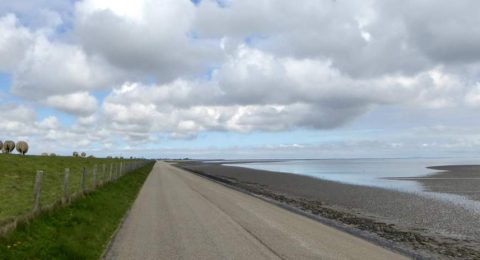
420	224
463	180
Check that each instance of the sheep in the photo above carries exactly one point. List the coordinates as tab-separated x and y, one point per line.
75	154
22	147
83	154
8	146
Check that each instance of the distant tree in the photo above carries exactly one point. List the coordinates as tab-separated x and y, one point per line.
1	145
8	146
44	154
75	154
83	154
22	147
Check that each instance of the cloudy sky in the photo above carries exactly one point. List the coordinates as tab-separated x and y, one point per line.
242	78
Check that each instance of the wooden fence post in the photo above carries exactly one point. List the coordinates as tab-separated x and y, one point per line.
82	180
37	191
94	176
111	172
66	193
104	173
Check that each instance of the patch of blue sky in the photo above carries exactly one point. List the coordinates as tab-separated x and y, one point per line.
193	35
32	13
64	118
100	95
221	3
65	27
196	2
208	75
5	85
254	39
150	80
5	81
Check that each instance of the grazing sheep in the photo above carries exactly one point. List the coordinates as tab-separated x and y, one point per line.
75	154
22	147
83	154
8	146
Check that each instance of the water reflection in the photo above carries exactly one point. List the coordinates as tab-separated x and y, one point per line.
372	172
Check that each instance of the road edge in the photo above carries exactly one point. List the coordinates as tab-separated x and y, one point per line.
108	247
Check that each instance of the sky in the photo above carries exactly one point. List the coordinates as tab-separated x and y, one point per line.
242	78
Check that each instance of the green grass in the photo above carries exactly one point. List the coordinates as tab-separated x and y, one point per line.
80	230
17	178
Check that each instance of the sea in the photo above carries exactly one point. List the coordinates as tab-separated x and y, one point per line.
380	173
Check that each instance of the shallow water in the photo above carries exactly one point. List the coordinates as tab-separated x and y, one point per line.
371	172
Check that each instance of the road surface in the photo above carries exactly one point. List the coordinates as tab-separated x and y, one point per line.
179	215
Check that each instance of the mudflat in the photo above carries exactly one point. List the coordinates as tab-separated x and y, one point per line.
463	180
422	225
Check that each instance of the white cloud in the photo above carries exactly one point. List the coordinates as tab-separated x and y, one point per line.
79	103
17	120
50	122
473	96
172	68
56	68
255	91
37	13
147	37
14	41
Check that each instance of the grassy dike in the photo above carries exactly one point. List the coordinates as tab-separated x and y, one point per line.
80	230
17	178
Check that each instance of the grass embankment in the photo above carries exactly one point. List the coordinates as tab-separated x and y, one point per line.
80	230
17	178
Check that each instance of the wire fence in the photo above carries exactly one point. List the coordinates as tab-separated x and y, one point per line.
56	190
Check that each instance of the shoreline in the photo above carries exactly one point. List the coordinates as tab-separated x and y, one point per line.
381	215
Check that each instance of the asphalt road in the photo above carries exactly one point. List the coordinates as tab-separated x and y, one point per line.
179	215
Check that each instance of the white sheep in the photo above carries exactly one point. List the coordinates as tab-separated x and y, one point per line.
22	147
8	146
